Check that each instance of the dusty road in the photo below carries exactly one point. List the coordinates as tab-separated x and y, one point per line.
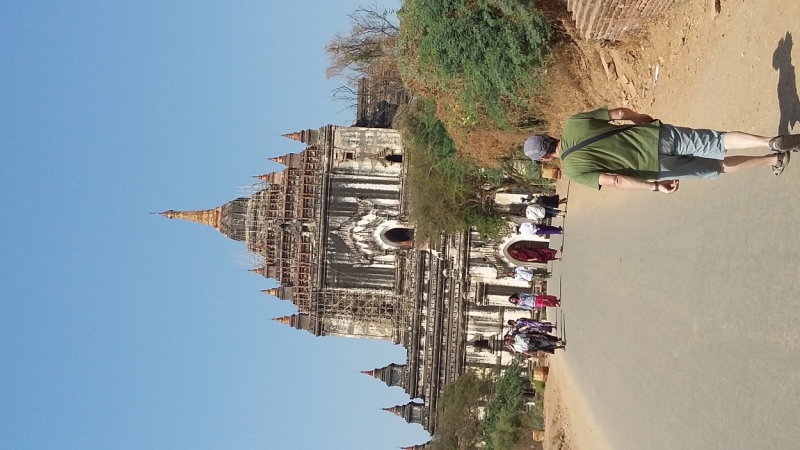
682	312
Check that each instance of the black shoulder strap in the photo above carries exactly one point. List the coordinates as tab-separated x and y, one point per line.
594	139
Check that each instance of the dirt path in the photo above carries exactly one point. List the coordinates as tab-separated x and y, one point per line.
680	311
570	426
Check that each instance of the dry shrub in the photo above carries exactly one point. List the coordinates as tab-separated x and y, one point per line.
573	82
575	79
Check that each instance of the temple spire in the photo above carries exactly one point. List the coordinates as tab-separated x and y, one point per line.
286	320
273	177
296	136
280	159
208	217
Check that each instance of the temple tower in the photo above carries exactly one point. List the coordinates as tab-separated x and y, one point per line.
392	375
412	411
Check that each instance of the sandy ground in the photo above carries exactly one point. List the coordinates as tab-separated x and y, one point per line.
570	425
680	311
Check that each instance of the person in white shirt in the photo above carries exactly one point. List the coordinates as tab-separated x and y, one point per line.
539	212
529	344
522	274
531	229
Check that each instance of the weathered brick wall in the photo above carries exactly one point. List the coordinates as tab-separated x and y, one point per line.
611	19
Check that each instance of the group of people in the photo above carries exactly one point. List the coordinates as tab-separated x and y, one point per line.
527	336
542	208
596	151
537	211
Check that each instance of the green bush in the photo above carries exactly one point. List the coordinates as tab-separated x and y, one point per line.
504	411
484	51
458	413
445	190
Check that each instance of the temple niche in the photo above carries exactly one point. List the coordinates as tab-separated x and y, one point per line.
332	229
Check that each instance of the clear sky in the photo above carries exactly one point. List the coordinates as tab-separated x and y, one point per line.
122	330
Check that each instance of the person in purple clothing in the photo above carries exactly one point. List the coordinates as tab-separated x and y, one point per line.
526	325
532	229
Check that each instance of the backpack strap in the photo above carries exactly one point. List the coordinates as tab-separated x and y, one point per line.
593	139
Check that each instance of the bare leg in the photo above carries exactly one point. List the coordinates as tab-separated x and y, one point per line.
737	140
738	163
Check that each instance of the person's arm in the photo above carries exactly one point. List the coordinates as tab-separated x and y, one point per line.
630	183
629	114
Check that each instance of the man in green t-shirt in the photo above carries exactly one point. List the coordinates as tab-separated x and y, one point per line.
651	155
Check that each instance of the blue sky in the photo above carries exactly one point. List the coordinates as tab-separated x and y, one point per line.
122	330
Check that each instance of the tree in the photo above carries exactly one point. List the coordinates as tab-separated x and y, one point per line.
372	36
458	413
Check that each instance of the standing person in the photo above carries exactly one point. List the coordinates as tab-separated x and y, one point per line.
538	212
531	229
529	344
550	201
525	325
651	155
530	301
528	254
522	274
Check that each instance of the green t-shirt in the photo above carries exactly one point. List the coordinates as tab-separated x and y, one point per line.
633	152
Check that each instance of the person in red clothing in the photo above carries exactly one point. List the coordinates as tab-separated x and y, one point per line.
530	301
527	254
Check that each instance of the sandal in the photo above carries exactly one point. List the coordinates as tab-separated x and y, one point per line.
785	143
783	161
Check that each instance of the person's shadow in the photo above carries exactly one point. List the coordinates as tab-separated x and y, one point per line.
788	100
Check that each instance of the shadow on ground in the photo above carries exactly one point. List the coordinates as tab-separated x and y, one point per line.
788	101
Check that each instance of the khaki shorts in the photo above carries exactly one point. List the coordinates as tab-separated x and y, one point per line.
688	153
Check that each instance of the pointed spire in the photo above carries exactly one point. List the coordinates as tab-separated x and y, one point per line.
410	412
272	177
279	159
210	217
258	270
368	372
286	320
296	136
275	292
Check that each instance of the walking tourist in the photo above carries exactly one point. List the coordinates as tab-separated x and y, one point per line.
526	325
528	254
522	274
535	211
532	229
529	301
529	344
550	201
651	155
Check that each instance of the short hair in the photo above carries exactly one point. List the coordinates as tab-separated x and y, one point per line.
512	322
